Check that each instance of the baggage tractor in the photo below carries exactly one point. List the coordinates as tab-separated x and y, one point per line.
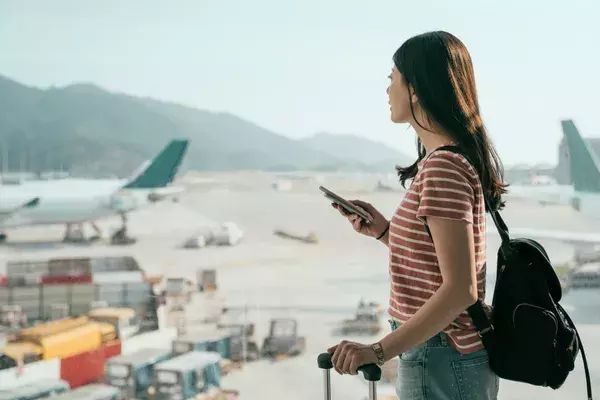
371	372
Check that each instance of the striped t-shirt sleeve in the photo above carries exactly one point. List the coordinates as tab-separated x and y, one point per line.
445	189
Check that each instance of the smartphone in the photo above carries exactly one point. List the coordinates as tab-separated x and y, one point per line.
345	204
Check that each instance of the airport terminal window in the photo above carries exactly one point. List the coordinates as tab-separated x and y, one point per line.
179	177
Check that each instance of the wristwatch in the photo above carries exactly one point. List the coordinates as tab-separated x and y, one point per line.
378	352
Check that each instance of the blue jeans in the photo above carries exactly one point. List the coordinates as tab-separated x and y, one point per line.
435	370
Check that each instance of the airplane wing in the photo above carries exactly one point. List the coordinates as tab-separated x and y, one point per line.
27	205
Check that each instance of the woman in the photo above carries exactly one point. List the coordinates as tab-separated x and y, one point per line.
436	238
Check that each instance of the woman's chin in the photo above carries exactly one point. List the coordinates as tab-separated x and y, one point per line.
395	119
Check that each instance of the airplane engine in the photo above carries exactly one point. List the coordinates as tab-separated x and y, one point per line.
154	197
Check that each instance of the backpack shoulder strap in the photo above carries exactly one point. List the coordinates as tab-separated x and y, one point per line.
586	369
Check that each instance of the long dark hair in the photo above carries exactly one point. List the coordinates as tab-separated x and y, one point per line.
438	67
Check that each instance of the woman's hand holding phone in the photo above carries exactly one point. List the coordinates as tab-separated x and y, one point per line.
374	227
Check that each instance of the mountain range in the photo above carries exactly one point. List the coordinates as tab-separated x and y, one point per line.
89	131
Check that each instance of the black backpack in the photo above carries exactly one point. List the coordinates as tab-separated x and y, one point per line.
529	337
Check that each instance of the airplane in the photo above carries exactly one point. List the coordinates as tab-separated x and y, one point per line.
584	196
76	201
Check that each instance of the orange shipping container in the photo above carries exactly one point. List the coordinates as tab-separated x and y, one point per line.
112	349
83	368
52	328
68	343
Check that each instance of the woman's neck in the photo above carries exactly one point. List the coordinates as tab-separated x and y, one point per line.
432	138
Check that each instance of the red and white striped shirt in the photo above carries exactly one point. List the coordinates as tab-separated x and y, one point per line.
446	186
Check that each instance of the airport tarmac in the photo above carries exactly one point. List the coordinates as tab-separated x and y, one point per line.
318	284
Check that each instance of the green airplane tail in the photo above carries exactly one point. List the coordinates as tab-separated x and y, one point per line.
162	169
583	162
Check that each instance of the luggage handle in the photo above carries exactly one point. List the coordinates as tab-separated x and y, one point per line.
371	372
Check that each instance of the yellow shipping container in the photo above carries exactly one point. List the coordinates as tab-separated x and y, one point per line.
73	341
107	331
19	351
52	328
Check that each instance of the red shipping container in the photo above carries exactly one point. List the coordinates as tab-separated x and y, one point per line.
66	279
112	349
83	368
2	280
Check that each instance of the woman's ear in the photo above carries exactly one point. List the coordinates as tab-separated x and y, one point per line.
413	96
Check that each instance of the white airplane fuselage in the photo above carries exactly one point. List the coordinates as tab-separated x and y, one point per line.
63	202
69	201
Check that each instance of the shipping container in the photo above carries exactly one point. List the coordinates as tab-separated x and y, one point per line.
112	349
77	369
54	294
113	264
108	332
186	375
117	277
70	266
24	268
27	297
132	373
5	294
65	279
83	368
37	300
14	353
70	342
52	328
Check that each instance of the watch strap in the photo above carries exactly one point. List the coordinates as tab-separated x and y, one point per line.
378	352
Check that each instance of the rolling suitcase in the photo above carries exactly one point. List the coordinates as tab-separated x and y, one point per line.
371	372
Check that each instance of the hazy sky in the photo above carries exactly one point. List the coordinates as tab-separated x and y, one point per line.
298	67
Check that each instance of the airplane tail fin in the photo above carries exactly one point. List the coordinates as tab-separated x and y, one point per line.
163	168
583	162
